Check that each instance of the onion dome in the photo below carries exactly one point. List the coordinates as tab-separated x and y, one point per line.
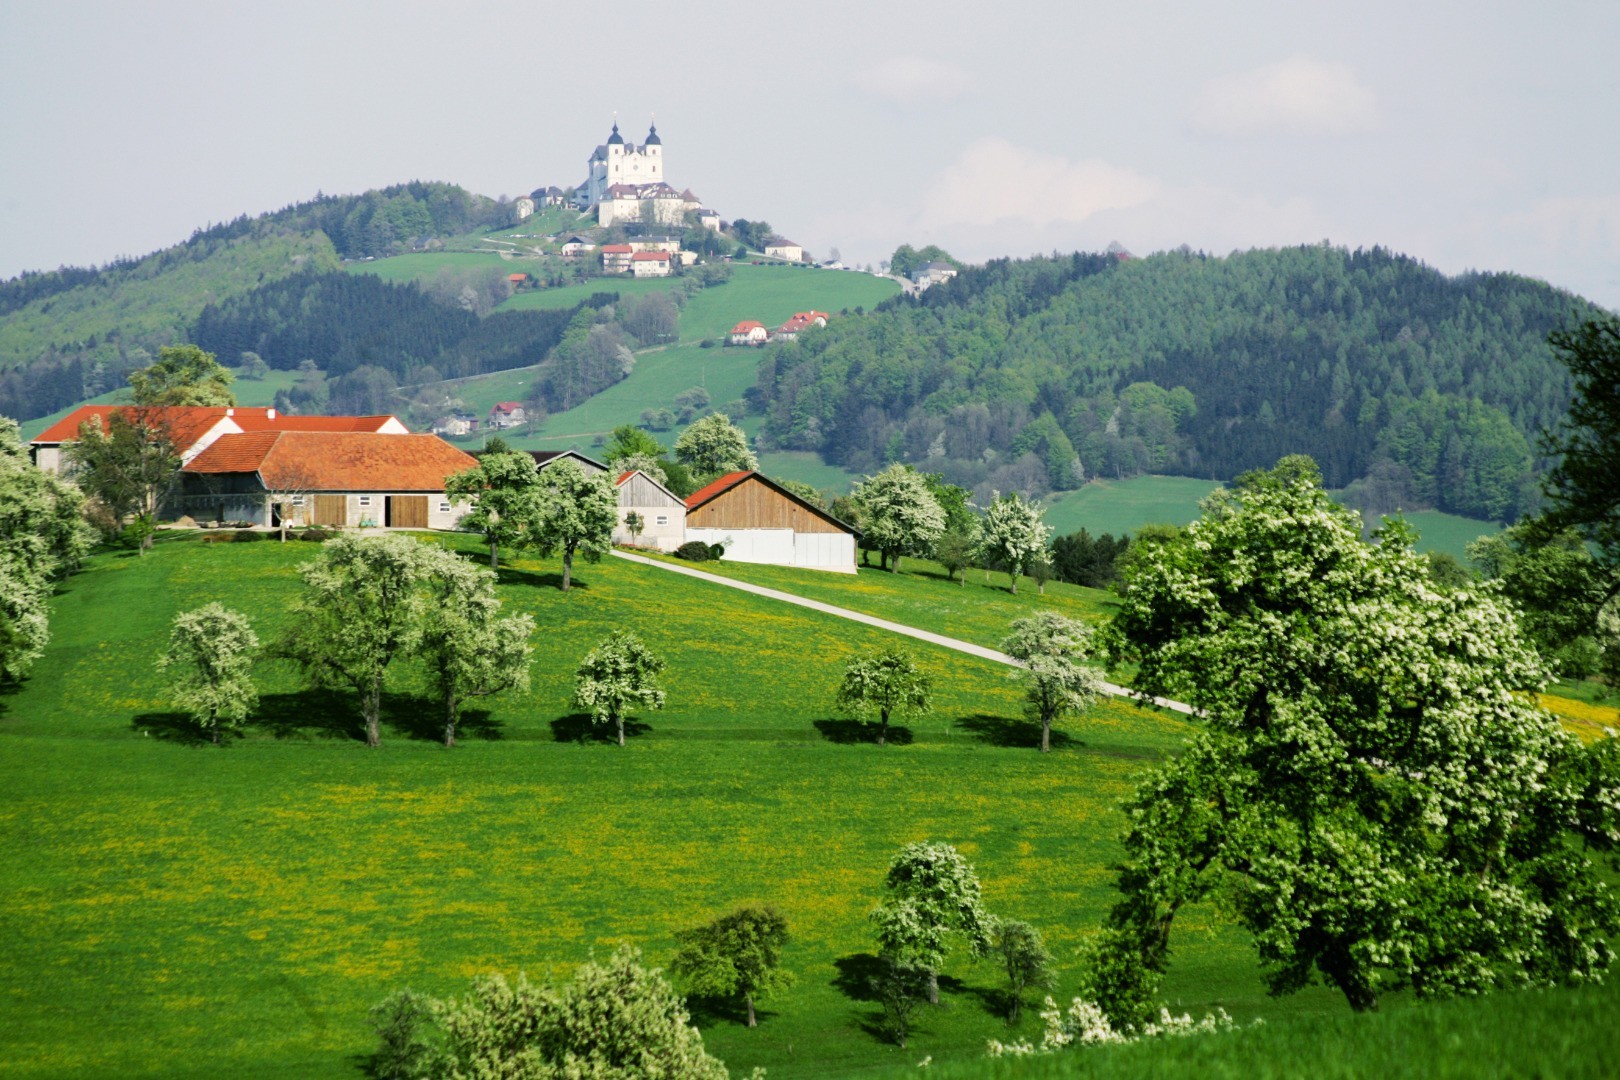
652	136
615	139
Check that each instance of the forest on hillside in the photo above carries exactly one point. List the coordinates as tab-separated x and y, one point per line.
1411	387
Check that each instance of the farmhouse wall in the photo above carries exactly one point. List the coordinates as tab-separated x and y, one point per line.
752	505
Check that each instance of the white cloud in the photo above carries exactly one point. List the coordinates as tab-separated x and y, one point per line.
911	80
995	180
1297	96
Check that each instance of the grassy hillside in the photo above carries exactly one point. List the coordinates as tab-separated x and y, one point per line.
179	909
163	292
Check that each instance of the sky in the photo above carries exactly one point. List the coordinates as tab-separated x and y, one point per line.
1475	135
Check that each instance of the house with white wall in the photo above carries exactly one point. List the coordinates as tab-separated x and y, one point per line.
759	521
662	512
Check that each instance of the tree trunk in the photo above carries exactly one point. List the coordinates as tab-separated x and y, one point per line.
895	568
620	719
568	569
1012	576
494	555
1046	734
933	988
883	728
213	727
450	722
371	707
749	999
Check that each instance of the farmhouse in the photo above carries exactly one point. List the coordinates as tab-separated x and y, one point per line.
650	264
750	332
759	521
338	478
778	248
616	258
663	514
802	320
505	414
193	428
932	273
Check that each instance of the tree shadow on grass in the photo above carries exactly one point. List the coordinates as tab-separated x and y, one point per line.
851	732
858	975
172	727
580	728
321	713
549	579
1020	733
423	719
708	1012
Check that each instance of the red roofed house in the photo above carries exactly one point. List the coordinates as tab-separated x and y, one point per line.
194	428
751	332
505	414
616	258
760	521
663	514
650	264
340	478
802	320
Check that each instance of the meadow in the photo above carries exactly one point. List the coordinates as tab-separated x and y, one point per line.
176	909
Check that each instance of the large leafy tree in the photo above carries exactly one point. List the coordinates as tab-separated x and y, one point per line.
615	677
210	665
1583	488
576	516
899	514
362	608
713	446
1051	650
1012	535
504	488
889	686
1374	793
471	651
42	538
736	955
183	375
129	464
933	896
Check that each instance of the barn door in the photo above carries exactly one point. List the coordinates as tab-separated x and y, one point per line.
407	512
332	510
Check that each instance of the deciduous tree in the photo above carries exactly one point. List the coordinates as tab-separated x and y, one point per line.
1051	647
577	515
889	685
1012	534
505	491
210	666
713	446
183	375
736	955
1374	793
469	649
1023	955
129	464
899	515
933	894
615	677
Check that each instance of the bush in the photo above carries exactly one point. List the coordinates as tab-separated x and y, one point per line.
315	536
694	551
246	536
717	552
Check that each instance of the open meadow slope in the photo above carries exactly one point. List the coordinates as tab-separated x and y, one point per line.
175	909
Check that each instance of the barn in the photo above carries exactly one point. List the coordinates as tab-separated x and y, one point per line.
759	521
663	514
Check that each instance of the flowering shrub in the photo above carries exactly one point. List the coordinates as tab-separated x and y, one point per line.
1085	1024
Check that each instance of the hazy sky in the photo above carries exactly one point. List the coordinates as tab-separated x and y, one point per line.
1472	135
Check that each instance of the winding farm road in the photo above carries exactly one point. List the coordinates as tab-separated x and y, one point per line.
872	620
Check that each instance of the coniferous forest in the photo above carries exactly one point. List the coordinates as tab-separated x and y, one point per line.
1414	388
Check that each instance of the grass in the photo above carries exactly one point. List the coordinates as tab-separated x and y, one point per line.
807	467
1439	531
1124	506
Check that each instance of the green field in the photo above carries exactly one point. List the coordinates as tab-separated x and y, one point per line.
1439	531
424	266
1124	506
807	467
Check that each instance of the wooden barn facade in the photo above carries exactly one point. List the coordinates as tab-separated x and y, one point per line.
759	521
663	514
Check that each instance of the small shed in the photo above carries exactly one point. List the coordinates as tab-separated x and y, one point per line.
663	513
759	521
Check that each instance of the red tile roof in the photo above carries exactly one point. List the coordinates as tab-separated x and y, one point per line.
186	424
625	476
506	406
616	249
260	420
744	327
650	256
336	461
709	491
517	277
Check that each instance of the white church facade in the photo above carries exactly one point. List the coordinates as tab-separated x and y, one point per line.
625	182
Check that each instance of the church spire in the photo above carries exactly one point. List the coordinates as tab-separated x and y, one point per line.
652	134
615	139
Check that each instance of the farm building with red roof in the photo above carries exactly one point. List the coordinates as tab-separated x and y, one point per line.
749	332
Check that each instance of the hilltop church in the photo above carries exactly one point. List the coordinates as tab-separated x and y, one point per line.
625	182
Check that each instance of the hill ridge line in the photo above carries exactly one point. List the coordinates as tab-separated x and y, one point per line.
958	644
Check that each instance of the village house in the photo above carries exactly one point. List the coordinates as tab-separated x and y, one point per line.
506	414
576	245
649	264
523	207
455	426
749	332
759	521
932	273
336	478
193	428
616	258
662	512
801	320
787	250
709	220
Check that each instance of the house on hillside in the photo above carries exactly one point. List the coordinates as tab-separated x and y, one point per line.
575	246
749	332
709	220
338	478
543	459
650	264
759	521
932	273
616	258
801	320
778	248
522	207
455	425
663	513
193	428
506	414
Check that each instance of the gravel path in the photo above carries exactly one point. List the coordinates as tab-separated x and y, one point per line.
872	620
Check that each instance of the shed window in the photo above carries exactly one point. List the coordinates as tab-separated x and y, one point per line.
365	500
444	508
663	519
